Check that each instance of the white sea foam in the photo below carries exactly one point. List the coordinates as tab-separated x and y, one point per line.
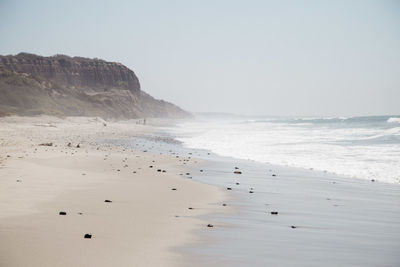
391	120
368	151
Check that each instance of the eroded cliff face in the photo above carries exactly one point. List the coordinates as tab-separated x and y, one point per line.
66	86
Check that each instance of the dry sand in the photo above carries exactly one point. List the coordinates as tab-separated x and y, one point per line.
142	225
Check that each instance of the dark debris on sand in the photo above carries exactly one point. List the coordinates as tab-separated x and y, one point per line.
87	236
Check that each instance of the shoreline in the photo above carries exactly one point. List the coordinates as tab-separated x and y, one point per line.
321	219
143	225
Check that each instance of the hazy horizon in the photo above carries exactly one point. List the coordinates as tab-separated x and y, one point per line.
276	58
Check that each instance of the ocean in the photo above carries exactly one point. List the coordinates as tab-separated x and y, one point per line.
354	147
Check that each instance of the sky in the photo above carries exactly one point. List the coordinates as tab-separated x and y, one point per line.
285	58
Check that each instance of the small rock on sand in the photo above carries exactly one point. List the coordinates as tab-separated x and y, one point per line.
210	225
87	236
46	144
107	201
228	188
237	172
274	212
62	213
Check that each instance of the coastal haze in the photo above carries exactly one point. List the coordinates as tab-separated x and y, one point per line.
303	58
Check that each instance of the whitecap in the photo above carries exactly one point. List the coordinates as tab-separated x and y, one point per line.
394	120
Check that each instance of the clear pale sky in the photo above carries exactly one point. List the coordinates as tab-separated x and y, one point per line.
316	58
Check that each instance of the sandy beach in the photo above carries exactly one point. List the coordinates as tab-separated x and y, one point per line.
147	215
147	200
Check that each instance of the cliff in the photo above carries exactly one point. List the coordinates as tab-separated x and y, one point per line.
75	86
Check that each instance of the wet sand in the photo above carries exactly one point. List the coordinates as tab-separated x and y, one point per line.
298	218
149	212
